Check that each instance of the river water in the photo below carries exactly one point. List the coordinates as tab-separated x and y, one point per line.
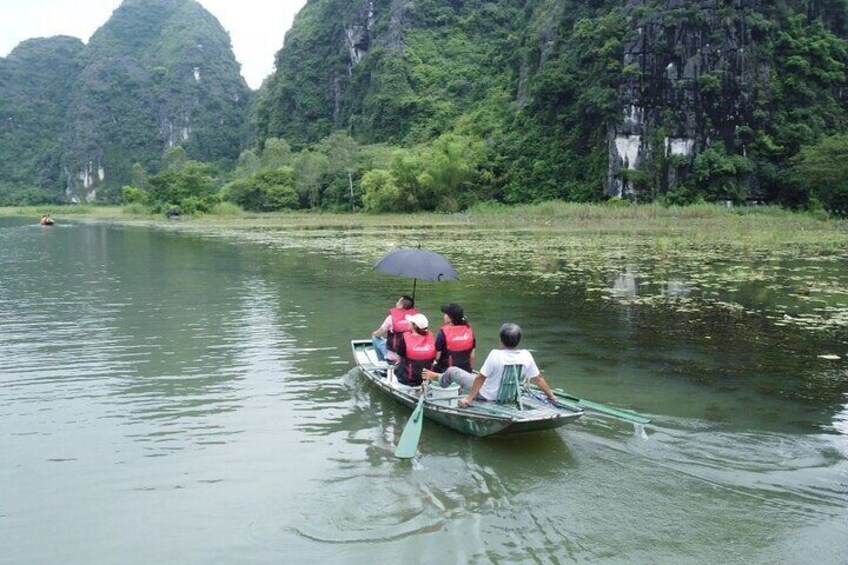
173	397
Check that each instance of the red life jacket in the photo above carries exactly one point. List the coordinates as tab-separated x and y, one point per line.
459	342
400	326
420	353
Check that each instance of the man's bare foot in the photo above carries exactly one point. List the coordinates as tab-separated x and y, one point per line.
430	375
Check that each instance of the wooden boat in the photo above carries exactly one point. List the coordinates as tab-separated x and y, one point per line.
481	419
45	221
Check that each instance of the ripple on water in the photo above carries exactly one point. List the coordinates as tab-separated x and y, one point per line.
368	511
840	420
791	474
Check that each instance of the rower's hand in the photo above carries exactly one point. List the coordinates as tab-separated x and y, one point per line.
464	402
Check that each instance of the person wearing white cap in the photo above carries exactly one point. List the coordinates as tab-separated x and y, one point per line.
417	351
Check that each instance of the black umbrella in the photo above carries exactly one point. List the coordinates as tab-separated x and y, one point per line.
416	264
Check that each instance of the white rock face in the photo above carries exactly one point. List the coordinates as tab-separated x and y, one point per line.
176	135
634	117
356	37
679	146
353	35
627	147
86	177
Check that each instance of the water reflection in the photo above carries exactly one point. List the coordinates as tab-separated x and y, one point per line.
676	289
840	420
199	392
625	285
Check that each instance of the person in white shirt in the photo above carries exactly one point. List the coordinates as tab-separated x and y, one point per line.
485	384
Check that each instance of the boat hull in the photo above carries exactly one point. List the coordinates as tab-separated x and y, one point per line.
481	419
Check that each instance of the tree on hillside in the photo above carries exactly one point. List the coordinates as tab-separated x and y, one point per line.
823	169
192	188
248	164
309	167
415	185
276	153
266	191
174	159
342	152
719	176
452	164
139	177
381	192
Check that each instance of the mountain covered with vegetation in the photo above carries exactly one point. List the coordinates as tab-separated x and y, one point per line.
34	82
80	121
575	99
404	105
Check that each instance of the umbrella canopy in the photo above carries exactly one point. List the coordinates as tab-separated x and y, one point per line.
416	264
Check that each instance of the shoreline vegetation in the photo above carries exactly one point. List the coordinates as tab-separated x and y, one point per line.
760	261
760	226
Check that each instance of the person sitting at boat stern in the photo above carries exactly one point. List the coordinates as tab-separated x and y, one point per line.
388	335
417	351
485	384
455	341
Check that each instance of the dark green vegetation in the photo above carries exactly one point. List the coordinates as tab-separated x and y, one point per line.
394	105
34	81
76	118
714	99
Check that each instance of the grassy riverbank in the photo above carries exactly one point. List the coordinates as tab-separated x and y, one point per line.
763	261
745	226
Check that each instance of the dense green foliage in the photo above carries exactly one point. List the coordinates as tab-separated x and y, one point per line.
268	190
158	74
191	187
398	106
542	86
34	80
823	169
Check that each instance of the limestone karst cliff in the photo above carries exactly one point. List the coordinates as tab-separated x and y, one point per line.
158	74
575	99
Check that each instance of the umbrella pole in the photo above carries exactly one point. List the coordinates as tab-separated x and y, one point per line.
414	282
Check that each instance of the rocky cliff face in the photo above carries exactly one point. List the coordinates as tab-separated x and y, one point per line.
302	100
615	96
691	73
158	74
717	73
388	70
574	99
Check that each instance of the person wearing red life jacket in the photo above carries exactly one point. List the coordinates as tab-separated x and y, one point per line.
417	351
455	341
387	336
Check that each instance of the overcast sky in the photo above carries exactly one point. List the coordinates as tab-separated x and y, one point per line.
257	27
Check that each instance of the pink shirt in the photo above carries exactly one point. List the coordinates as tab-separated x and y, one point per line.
387	325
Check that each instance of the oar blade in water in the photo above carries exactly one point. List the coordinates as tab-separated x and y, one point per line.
602	408
408	444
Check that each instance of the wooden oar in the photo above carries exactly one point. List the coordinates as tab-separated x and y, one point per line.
629	415
408	443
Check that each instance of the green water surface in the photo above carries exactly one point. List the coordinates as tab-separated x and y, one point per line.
172	396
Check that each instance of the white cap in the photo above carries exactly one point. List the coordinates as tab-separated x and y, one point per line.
419	320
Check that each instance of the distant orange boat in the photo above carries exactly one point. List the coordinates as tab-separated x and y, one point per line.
46	221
